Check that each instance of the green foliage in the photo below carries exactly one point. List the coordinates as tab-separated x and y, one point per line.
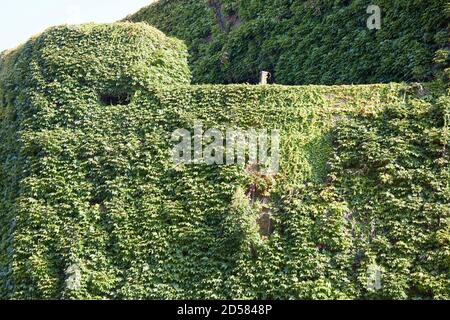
305	42
92	206
50	83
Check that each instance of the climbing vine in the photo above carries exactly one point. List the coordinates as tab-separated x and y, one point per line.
308	41
93	207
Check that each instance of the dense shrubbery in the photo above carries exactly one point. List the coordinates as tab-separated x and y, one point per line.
308	41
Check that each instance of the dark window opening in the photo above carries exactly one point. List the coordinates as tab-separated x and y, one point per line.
115	99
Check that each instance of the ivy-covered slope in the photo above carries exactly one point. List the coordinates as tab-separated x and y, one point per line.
307	41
